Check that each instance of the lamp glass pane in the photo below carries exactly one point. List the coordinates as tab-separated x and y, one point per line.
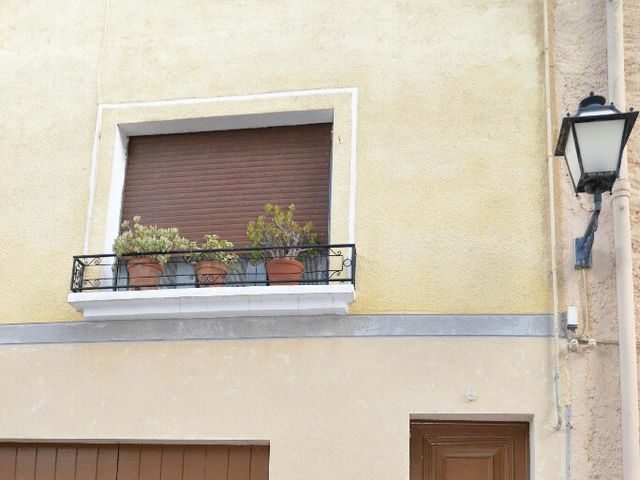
600	144
572	159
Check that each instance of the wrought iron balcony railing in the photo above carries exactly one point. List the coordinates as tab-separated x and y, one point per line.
323	265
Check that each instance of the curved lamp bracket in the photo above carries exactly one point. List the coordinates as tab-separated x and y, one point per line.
583	244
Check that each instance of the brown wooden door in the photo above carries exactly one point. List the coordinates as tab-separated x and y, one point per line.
24	461
469	451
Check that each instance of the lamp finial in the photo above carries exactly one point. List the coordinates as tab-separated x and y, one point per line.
592	99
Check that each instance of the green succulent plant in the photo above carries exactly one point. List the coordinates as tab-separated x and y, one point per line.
212	242
139	238
277	228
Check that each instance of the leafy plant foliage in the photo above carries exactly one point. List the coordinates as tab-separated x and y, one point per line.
212	242
139	238
277	228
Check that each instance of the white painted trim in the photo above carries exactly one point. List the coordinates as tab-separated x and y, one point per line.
352	165
475	417
228	122
489	417
118	173
189	303
138	440
234	98
92	179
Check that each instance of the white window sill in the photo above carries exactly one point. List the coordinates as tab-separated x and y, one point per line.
214	302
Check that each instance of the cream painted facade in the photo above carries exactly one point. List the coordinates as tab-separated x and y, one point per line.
439	176
410	163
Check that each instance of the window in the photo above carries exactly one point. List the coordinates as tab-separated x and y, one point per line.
323	124
215	182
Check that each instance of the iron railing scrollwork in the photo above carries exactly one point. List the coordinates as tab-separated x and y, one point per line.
323	265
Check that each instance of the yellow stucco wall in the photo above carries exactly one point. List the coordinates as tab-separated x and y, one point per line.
330	408
451	203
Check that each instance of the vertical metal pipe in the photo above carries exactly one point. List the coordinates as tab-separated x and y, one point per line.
623	253
552	215
567	445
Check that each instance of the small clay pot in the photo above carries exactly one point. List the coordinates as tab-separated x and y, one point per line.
210	273
144	273
284	271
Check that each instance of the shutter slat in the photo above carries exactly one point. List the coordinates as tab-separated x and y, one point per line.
172	462
239	462
66	463
142	190
194	463
260	462
217	462
107	466
128	462
25	462
216	194
215	182
227	157
157	175
87	457
150	459
229	217
45	463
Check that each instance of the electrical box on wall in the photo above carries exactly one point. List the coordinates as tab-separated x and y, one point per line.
572	318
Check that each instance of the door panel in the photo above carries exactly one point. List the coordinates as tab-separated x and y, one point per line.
128	462
107	466
66	463
469	451
86	462
31	461
45	463
25	463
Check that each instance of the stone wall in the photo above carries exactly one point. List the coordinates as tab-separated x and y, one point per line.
632	74
580	66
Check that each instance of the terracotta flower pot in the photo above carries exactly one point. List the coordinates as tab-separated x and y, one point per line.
144	273
284	271
210	273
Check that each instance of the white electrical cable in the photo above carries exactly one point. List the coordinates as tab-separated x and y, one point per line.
103	47
586	306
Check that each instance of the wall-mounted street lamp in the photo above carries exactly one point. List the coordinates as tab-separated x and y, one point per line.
592	142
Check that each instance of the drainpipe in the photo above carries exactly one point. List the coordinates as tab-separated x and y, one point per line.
624	269
552	216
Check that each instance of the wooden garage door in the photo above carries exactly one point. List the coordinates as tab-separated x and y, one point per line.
469	451
23	461
215	182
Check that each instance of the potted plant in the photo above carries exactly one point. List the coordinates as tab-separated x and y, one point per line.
278	230
145	271
212	267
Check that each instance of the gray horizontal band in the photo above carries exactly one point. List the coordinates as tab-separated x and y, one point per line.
279	327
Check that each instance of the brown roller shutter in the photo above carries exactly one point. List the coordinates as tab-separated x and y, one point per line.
30	461
215	182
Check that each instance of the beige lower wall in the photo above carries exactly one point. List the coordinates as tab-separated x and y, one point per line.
330	408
